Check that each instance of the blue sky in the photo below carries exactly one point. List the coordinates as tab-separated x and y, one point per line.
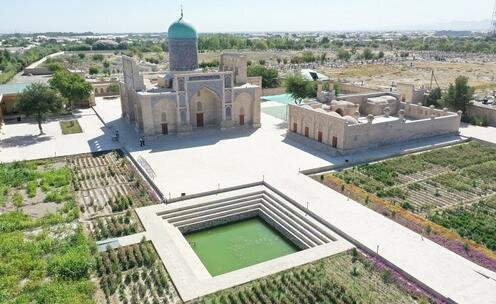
232	16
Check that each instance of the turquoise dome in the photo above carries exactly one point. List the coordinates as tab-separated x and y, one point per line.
182	30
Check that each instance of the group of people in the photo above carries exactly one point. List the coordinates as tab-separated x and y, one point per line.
141	139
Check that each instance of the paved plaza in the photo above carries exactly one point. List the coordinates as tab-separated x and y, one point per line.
208	160
21	141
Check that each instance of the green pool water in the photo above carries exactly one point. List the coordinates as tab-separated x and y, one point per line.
282	98
238	245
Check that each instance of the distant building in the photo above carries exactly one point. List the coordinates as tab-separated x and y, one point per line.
361	118
8	94
187	98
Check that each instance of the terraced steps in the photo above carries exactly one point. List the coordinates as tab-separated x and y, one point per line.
288	219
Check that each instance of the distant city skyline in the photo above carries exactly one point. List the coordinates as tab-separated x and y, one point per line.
131	16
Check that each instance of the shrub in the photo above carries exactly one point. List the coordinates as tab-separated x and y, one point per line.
75	264
94	70
31	188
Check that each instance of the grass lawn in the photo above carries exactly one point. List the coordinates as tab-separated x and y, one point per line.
70	127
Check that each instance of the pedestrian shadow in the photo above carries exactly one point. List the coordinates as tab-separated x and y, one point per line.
23	140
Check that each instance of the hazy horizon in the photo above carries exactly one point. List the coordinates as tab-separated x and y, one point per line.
151	16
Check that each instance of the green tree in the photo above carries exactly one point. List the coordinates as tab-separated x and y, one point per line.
299	87
434	98
38	100
94	70
459	95
368	54
261	45
269	76
71	86
343	54
308	57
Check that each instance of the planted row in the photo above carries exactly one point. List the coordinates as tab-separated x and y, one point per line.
115	226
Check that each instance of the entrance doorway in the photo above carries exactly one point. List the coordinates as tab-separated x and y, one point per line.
334	142
242	120
199	120
307	131
165	129
319	137
295	127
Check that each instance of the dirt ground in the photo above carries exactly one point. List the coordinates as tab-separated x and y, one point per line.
481	76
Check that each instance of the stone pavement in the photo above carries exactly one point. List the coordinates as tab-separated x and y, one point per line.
483	133
21	141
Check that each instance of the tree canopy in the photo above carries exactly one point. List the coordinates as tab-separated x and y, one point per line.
37	101
434	98
459	95
71	86
299	87
269	76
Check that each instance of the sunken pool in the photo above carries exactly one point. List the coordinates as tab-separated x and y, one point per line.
237	245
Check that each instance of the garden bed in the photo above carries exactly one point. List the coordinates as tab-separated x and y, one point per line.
441	194
134	274
106	183
70	127
346	278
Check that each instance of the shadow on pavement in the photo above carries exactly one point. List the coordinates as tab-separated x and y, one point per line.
24	140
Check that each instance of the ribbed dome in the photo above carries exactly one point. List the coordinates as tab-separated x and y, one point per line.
182	30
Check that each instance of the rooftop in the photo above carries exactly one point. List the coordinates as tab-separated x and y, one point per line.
15	88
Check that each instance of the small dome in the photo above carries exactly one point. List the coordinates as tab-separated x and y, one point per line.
182	30
334	114
350	119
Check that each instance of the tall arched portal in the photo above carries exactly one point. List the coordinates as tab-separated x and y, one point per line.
205	109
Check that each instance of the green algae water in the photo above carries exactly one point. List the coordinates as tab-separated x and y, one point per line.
238	245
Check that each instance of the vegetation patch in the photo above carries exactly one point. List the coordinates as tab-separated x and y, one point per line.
476	222
51	264
345	278
134	274
70	127
116	226
446	189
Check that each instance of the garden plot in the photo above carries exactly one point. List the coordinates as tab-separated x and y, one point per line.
432	180
344	278
452	192
45	256
107	190
106	183
475	221
134	274
38	188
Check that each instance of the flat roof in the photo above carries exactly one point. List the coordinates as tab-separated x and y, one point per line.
14	88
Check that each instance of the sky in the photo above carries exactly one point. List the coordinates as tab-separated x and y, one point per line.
124	16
